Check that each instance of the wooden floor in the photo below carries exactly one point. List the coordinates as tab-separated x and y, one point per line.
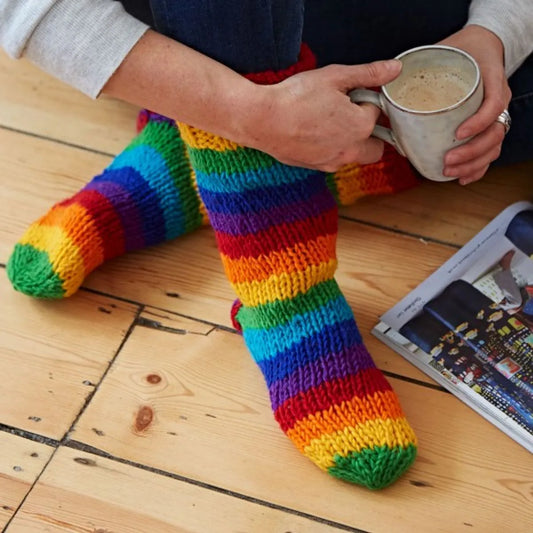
134	407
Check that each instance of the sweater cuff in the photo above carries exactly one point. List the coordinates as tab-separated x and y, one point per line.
509	26
83	42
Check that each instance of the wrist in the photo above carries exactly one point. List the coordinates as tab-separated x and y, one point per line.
251	110
476	34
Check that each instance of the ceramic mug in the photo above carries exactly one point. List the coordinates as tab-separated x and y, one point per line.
438	89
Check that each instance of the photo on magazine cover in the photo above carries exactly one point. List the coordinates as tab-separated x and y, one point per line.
477	329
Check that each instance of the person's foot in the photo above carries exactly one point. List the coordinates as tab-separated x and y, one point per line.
147	195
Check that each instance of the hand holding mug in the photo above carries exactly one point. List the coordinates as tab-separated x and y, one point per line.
438	89
470	161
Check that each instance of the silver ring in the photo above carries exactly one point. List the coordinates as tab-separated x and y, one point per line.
505	119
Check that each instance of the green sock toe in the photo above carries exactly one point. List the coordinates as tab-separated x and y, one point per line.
375	468
31	273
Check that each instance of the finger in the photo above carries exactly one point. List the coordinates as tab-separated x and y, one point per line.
370	113
474	177
479	145
495	101
374	74
468	169
369	151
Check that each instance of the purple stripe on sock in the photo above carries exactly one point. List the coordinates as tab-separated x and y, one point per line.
254	222
156	117
332	366
125	207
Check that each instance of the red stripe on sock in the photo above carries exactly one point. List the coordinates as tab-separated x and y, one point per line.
278	237
105	218
322	397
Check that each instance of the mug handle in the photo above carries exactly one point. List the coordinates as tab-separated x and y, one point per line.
385	134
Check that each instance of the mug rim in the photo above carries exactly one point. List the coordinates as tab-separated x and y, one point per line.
444	109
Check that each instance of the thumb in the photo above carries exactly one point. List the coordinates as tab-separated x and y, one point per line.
369	74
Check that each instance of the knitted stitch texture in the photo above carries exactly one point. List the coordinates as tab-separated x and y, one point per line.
146	196
276	229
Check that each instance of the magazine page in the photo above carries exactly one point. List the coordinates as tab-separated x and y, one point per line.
470	324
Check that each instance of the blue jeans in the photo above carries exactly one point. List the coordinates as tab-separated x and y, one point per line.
253	36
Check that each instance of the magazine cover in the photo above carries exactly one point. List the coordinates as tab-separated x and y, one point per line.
469	326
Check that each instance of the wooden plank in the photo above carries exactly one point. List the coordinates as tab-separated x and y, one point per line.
52	354
198	408
84	492
35	174
447	211
21	461
35	102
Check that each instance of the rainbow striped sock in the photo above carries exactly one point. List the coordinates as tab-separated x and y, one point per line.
276	229
146	196
391	174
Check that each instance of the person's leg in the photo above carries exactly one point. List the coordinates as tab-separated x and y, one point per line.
276	230
147	195
353	31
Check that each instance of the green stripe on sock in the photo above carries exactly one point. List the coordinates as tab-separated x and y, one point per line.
31	272
273	314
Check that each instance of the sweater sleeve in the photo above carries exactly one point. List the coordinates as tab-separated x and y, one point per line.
81	42
512	22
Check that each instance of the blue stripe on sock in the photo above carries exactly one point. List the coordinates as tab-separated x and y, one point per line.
260	199
267	343
152	166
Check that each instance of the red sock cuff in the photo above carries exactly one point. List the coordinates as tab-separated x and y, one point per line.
306	61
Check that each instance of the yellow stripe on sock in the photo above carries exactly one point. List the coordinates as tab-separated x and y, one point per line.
64	256
203	210
284	286
353	439
196	138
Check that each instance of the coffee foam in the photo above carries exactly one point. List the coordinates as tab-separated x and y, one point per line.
430	89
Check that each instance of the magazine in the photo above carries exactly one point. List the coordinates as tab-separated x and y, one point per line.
469	326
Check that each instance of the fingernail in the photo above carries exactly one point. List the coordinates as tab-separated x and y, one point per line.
463	134
394	64
448	171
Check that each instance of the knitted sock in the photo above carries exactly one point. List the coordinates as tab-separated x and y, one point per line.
146	196
391	174
276	229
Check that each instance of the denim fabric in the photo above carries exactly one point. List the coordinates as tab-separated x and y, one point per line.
250	36
257	35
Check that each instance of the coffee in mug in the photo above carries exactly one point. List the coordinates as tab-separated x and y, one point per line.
431	89
438	88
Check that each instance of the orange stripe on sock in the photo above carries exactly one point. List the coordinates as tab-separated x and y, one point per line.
380	405
79	226
297	258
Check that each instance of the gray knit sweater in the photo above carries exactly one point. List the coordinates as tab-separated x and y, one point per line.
82	42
